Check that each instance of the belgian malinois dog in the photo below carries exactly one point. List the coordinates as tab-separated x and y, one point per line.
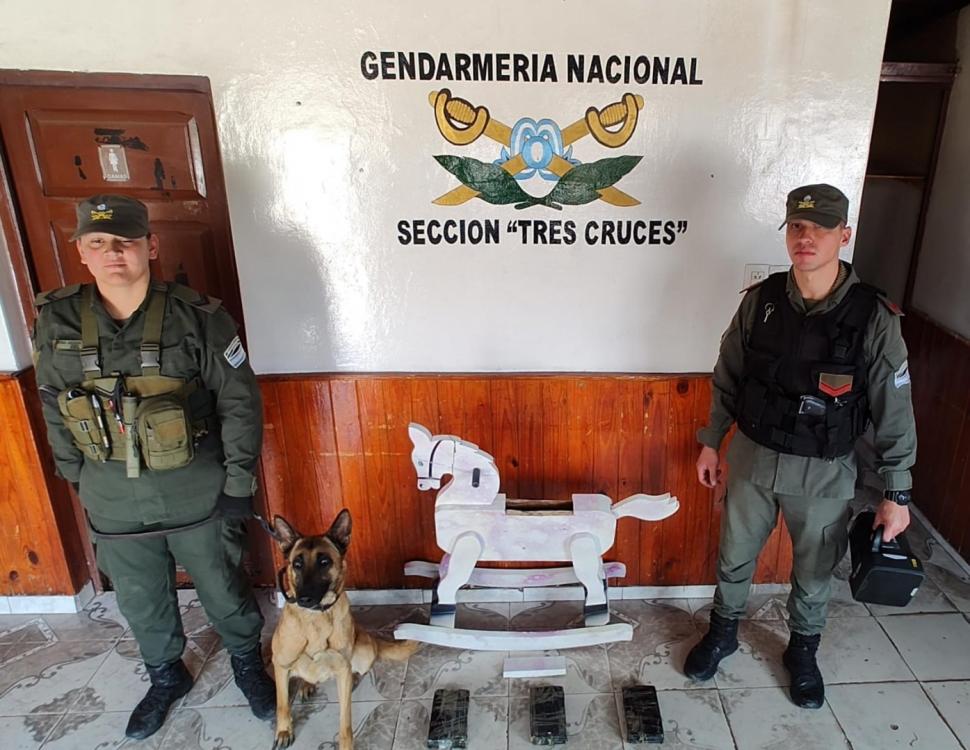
316	638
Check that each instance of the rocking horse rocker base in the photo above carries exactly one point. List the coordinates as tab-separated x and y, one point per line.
442	631
474	523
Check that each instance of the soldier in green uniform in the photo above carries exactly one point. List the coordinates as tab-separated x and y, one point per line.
154	415
809	360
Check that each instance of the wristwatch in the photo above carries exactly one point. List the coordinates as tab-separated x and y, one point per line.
900	497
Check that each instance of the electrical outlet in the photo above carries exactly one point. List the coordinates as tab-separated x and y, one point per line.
778	269
753	273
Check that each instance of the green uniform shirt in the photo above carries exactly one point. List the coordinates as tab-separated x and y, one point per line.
199	340
890	404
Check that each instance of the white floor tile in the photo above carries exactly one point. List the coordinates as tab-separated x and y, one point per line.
888	715
855	649
952	700
934	646
766	719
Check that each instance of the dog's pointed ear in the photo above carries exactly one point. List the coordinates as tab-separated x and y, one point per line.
284	534
339	532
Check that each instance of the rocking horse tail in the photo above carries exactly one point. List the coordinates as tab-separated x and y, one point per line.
647	507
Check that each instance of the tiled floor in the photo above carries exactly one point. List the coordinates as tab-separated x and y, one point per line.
896	678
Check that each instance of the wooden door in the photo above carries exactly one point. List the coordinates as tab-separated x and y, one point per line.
67	136
65	143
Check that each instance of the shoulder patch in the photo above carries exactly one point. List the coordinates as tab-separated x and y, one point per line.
890	305
901	376
53	295
196	299
235	354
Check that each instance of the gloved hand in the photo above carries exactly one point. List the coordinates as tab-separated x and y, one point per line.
239	508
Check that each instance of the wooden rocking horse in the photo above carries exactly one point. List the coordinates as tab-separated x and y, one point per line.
475	523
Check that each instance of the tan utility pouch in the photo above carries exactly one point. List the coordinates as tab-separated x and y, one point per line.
164	432
80	418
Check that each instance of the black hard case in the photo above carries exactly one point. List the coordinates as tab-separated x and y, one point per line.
882	572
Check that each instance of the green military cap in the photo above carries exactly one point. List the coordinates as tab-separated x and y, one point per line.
114	214
823	204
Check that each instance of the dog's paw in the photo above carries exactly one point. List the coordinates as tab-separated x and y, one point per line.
306	691
283	739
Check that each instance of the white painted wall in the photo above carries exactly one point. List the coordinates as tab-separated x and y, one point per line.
321	164
14	344
942	286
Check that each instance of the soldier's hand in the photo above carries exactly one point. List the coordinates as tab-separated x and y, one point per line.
237	508
708	471
892	517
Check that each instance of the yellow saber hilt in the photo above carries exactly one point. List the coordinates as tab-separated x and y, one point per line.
450	109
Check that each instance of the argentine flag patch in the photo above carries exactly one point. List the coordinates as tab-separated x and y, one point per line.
902	375
235	354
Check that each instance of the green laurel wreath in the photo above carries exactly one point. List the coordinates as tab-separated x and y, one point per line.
578	186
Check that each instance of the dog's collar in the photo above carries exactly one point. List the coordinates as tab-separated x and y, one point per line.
292	599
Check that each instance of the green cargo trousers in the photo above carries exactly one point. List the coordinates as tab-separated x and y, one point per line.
143	574
818	528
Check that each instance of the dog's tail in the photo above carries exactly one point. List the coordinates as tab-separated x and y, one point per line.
395	650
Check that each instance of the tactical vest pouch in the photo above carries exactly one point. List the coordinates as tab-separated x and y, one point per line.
80	418
164	432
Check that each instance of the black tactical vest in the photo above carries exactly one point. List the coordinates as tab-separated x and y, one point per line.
803	388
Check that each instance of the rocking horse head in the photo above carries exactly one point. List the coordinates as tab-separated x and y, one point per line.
474	476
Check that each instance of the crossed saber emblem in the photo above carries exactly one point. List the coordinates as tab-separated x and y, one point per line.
462	123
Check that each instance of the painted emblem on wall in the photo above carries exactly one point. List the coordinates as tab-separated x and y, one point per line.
536	148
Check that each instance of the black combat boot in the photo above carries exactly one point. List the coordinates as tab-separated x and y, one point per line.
169	683
255	684
721	640
807	688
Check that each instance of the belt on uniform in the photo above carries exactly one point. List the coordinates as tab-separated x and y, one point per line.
216	515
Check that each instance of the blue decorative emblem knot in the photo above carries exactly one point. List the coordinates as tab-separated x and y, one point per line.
538	143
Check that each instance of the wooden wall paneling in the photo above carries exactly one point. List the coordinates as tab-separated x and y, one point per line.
476	406
954	362
70	521
655	411
335	441
580	445
529	411
505	433
409	511
948	465
681	449
956	367
425	411
424	402
961	532
32	548
451	414
378	504
702	558
300	428
323	456
628	425
555	439
604	438
273	457
369	564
